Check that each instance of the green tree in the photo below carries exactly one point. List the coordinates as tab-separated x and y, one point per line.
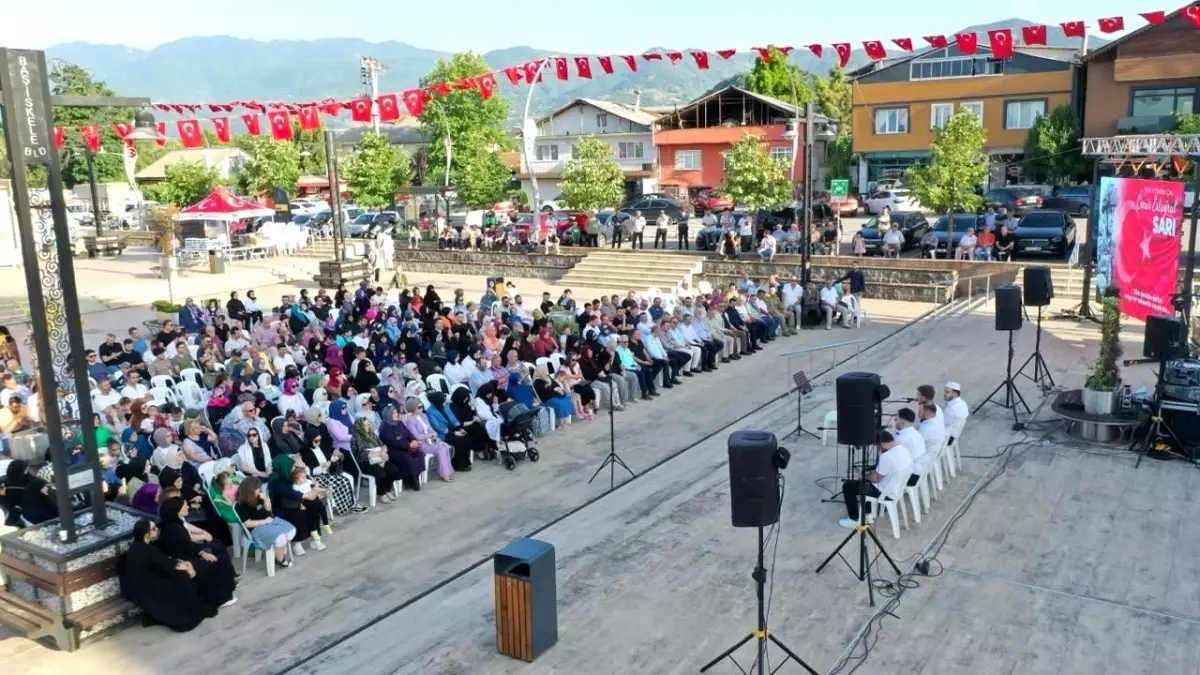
1187	124
185	183
374	173
753	178
483	179
776	76
68	79
958	165
310	146
268	164
1052	148
835	98
592	179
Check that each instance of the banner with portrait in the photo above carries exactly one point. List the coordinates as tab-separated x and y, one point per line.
1139	226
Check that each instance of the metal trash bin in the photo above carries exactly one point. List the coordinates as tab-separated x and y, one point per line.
216	261
526	599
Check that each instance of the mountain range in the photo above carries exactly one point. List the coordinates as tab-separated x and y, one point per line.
219	69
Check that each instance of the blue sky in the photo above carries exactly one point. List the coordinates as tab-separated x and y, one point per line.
567	26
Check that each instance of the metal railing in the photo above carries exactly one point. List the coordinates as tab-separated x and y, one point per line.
811	352
1072	264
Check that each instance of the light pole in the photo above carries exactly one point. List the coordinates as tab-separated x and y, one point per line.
529	136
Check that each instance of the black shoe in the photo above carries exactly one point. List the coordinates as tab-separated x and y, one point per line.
285	563
724	359
676	380
688	373
667	386
412	484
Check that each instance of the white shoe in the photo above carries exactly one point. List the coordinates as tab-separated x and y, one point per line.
297	548
231	601
848	523
318	545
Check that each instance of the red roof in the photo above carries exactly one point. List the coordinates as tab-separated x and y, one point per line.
220	204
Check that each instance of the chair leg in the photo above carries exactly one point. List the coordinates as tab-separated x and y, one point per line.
270	556
371	496
914	500
890	508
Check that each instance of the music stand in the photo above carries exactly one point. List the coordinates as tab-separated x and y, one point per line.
1012	395
613	459
803	388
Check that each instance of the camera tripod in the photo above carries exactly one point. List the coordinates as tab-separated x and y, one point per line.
1041	372
862	531
1012	395
760	632
613	458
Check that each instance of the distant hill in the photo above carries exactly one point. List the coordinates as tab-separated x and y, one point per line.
214	69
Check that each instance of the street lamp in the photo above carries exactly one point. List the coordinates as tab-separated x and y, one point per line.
812	130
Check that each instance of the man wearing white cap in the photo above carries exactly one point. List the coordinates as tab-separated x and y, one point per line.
957	411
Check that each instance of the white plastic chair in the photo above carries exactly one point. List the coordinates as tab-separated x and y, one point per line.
207	471
951	455
364	479
890	499
217	365
557	359
190	396
438	382
163	381
192	375
545	361
829	422
914	492
857	313
163	394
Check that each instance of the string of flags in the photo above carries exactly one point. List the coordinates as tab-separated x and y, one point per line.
1001	41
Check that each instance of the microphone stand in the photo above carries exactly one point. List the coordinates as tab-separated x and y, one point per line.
613	458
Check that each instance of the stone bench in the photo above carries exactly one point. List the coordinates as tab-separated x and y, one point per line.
910	283
486	263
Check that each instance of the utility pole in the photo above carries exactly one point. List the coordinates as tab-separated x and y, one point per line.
369	70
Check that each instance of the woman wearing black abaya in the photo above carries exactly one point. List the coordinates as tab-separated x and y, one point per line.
446	424
365	378
432	302
214	579
164	588
27	496
464	411
235	309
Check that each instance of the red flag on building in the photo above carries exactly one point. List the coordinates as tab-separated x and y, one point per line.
817	50
1001	41
937	41
652	56
1073	29
630	61
414	101
560	69
190	134
389	107
281	124
91	136
904	43
583	66
605	64
843	50
513	73
675	57
310	118
1156	18
701	60
1034	35
360	109
161	128
533	70
487	85
1192	13
726	53
1112	24
875	50
968	43
221	124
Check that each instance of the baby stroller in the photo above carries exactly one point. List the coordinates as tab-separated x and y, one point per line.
516	433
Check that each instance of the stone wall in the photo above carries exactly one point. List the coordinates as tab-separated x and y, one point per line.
486	263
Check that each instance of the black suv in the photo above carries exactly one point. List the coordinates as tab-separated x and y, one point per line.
1016	200
1045	232
913	224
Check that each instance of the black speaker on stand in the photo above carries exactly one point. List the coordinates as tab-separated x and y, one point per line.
1039	290
1008	318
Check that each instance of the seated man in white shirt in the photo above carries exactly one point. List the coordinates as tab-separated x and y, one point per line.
237	341
893	459
767	247
932	429
134	389
957	411
908	436
104	396
793	297
966	246
893	241
829	305
925	394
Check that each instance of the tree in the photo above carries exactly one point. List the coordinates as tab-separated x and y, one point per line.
1052	149
753	177
269	164
958	165
484	177
374	173
592	179
310	147
185	183
835	98
68	79
776	76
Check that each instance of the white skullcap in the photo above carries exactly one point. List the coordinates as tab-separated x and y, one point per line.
951	384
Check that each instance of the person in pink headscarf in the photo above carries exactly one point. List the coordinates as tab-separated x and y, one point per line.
292	399
418	425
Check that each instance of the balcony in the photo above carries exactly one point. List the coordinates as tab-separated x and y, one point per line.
1145	124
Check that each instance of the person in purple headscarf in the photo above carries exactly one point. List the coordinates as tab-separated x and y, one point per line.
418	425
333	357
403	449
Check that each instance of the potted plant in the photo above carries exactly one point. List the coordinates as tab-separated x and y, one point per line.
165	310
1100	389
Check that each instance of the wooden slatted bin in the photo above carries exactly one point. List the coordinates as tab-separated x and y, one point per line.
526	599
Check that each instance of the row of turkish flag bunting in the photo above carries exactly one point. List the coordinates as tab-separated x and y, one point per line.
1001	41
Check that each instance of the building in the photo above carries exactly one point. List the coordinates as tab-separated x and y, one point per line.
628	129
228	161
1139	82
693	139
899	105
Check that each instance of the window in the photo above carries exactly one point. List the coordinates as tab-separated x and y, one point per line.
783	152
1022	114
725	156
688	160
602	120
975	107
939	115
547	152
891	120
630	150
1163	102
933	69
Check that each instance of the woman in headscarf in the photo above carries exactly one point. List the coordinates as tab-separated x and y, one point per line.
454	370
166	453
339	425
448	428
214	572
296	507
430	443
254	457
291	398
219	400
333	358
288	439
266	410
487	412
403	449
365	379
165	589
553	395
432	300
367	408
327	471
236	309
491	343
333	385
416	303
28	496
372	459
464	410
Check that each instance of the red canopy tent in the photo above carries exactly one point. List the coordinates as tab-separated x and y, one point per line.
220	204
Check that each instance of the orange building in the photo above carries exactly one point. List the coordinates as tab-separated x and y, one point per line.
693	139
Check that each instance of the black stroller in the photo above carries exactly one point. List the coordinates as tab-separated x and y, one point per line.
516	433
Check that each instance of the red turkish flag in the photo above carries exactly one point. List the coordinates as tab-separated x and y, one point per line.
533	70
843	51
675	57
764	53
331	107
817	50
1073	29
465	83
605	64
726	53
91	136
652	56
583	66
414	101
875	50
254	123
560	69
440	88
701	60
1034	35
281	124
122	129
389	107
968	43
190	134
161	128
1111	24
1001	41
221	124
937	41
904	43
787	51
513	73
1192	13
310	118
60	137
1154	18
360	109
630	61
487	85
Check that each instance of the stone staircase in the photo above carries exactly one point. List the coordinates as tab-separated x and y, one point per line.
617	271
1067	283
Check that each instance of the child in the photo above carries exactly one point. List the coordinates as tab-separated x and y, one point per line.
315	500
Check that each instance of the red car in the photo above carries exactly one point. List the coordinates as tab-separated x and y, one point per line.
707	200
847	207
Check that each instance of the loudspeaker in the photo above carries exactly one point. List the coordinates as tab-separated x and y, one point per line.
1166	338
753	478
1008	308
857	394
1039	287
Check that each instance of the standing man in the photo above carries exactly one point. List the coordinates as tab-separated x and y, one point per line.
660	229
858	282
618	229
639	228
746	232
681	232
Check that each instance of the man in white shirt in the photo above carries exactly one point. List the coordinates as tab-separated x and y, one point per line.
957	411
237	341
746	232
966	246
104	396
709	219
134	389
894	464
639	231
925	394
766	248
908	436
829	305
893	241
660	229
932	429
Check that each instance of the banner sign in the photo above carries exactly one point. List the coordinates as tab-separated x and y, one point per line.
1138	232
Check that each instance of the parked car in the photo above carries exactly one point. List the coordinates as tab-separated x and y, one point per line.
709	238
551	205
358	227
1076	200
652	206
913	224
708	200
1045	232
1016	200
895	200
962	221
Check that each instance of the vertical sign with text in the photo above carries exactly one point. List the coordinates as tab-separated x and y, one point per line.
1138	231
31	119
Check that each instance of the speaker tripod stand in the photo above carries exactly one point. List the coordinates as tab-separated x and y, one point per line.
1012	395
1158	426
760	632
1041	373
613	458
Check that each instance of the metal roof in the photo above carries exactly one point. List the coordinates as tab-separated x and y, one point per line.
207	156
639	116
